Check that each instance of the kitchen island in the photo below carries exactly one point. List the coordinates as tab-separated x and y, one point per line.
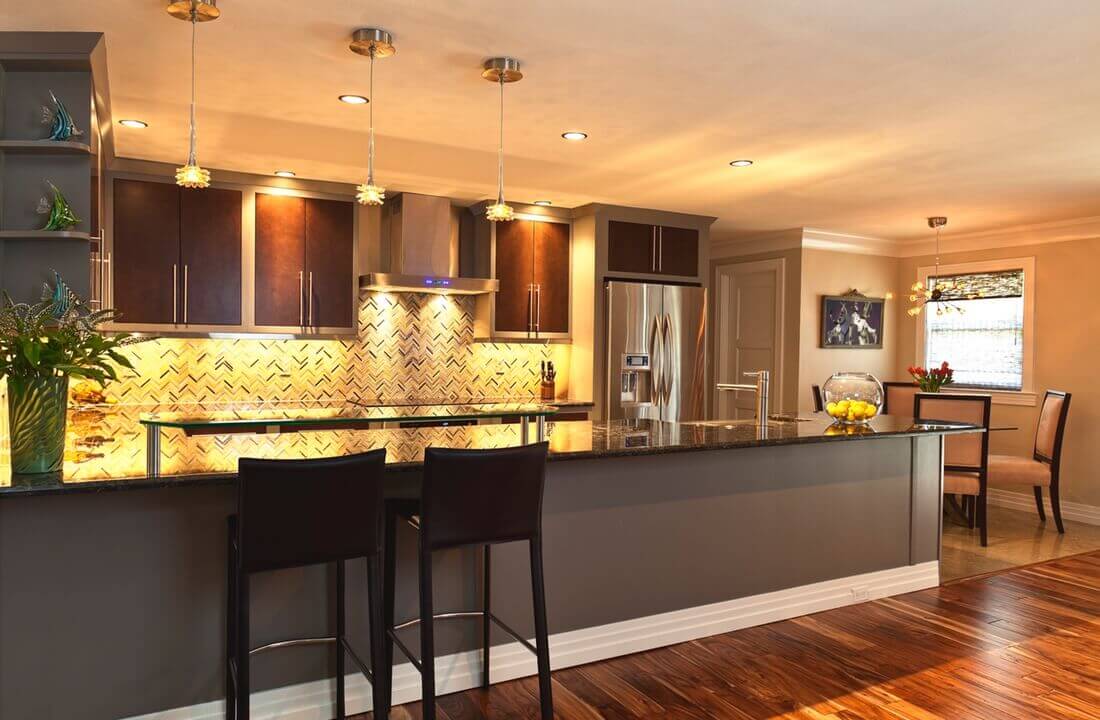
654	533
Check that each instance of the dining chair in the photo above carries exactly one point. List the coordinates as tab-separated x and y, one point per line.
898	397
1043	467
818	398
965	456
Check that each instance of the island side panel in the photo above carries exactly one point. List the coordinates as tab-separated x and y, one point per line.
118	596
927	488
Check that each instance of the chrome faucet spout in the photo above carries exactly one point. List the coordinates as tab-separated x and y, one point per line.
761	388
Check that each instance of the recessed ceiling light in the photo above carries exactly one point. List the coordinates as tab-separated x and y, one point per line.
354	99
543	202
741	163
284	173
133	123
574	135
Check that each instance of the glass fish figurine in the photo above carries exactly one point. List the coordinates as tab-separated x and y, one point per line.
60	121
61	214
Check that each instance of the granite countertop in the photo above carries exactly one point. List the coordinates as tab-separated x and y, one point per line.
568	441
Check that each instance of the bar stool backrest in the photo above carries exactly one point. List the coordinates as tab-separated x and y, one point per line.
482	496
818	398
898	398
300	512
969	452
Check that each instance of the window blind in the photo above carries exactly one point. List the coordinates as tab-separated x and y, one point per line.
984	342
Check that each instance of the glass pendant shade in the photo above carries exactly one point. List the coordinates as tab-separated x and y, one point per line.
369	194
500	212
501	71
373	43
192	176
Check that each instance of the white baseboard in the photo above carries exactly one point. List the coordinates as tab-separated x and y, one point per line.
461	671
1078	512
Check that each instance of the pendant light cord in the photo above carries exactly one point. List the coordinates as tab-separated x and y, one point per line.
370	120
500	146
191	154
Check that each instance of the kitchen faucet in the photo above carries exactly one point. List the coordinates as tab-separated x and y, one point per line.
761	388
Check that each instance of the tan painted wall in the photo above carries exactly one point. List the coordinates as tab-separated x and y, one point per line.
832	273
1066	345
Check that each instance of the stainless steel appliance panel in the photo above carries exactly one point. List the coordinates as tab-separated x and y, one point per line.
683	345
632	329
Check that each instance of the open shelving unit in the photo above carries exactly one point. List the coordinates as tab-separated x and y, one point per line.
31	66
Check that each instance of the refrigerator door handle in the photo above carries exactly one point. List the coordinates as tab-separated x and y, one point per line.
668	365
655	361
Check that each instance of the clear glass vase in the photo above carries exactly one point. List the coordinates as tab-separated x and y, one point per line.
853	398
37	410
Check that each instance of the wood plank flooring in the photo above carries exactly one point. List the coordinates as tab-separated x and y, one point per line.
1021	644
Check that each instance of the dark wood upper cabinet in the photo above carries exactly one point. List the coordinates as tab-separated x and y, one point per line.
146	244
280	260
631	247
330	235
678	250
210	257
514	265
304	258
551	277
652	249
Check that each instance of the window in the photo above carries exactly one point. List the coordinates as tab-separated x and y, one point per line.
982	325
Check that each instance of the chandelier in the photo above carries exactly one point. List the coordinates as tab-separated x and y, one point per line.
939	291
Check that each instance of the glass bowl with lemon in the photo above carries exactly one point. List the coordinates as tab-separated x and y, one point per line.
853	398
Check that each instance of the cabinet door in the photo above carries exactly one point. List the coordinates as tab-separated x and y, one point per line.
280	260
514	265
551	277
146	251
631	247
679	251
330	278
210	256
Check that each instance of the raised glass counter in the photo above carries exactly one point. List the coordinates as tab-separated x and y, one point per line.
265	418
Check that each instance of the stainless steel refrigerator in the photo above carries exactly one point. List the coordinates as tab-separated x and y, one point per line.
656	351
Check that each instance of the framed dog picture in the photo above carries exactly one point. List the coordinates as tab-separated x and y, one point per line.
852	321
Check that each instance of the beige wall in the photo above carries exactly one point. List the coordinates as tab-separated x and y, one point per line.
1066	345
832	273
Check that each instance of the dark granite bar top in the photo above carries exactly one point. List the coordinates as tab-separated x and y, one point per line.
568	441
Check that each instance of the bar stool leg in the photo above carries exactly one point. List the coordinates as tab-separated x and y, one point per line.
486	623
230	622
243	644
427	634
389	572
542	645
380	679
340	631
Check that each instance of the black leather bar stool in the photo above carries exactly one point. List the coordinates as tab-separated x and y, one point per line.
292	513
472	497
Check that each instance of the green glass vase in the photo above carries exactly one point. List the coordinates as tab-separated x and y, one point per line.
36	420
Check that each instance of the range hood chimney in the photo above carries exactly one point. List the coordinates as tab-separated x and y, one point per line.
419	249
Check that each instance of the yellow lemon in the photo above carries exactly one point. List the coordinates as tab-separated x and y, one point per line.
830	408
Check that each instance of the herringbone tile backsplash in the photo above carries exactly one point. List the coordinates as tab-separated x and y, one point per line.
409	345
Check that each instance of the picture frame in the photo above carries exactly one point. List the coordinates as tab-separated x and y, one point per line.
852	322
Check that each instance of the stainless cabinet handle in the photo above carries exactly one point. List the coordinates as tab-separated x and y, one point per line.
310	297
660	249
107	283
301	299
653	251
186	283
530	309
538	307
175	293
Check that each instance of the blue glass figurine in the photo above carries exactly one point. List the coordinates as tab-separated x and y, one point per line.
60	121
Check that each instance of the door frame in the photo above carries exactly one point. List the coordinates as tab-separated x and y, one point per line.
779	267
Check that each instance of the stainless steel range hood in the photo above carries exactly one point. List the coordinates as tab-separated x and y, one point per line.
419	251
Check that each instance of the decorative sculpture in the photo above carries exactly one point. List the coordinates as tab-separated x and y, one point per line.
61	214
60	121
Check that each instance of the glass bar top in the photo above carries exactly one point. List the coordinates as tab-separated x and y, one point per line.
305	414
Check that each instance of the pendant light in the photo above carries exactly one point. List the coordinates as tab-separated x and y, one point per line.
501	70
921	296
374	43
193	11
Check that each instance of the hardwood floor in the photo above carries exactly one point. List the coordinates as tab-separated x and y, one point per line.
1021	644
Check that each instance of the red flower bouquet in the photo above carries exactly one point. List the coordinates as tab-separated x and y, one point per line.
934	379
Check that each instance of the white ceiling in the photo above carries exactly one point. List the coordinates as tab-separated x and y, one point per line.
862	117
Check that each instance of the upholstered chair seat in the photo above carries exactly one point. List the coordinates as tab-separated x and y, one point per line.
962	483
1012	470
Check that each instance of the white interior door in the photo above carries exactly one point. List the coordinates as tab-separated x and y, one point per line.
748	332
